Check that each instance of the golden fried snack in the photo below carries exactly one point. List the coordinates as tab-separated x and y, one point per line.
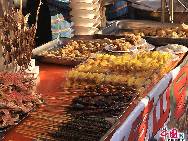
174	32
126	69
84	48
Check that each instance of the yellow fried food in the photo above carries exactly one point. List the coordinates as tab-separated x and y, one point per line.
127	69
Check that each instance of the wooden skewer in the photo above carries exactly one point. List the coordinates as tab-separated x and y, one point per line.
48	127
49	114
52	119
34	130
37	126
35	135
37	129
21	6
40	125
39	137
43	122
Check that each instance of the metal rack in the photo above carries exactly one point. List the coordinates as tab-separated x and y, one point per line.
170	10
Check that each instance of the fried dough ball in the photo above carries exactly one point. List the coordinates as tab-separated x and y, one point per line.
161	33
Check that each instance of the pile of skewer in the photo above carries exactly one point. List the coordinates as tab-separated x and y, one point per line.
17	40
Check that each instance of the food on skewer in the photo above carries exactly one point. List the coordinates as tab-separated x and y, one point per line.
103	100
17	40
84	48
17	97
167	32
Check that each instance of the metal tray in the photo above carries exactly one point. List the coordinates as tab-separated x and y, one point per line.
60	60
55	44
59	43
160	41
118	27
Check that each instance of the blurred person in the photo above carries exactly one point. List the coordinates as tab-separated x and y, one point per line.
117	10
43	31
4	5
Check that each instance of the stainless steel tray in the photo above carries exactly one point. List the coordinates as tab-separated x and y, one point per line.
118	27
59	43
67	61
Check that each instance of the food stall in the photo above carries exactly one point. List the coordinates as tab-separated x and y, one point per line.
127	83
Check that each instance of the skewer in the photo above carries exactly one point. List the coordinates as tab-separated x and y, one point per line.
48	114
35	135
48	111
41	126
39	137
51	118
45	122
37	129
21	6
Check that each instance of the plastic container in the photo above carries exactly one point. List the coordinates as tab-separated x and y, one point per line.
85	22
90	14
85	6
84	30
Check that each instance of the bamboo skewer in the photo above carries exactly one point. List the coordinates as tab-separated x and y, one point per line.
41	126
35	135
21	6
42	123
39	137
37	129
52	119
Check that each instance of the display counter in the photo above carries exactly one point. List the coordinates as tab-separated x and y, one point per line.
146	116
116	89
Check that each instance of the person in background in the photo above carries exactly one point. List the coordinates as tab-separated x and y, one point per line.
43	32
117	10
4	5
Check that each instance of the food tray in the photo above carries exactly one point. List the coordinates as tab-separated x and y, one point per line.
118	27
52	59
60	60
59	43
134	48
159	41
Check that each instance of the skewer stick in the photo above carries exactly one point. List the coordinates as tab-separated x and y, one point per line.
34	135
21	6
38	10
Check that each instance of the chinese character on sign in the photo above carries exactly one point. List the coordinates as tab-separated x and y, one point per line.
164	132
174	133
